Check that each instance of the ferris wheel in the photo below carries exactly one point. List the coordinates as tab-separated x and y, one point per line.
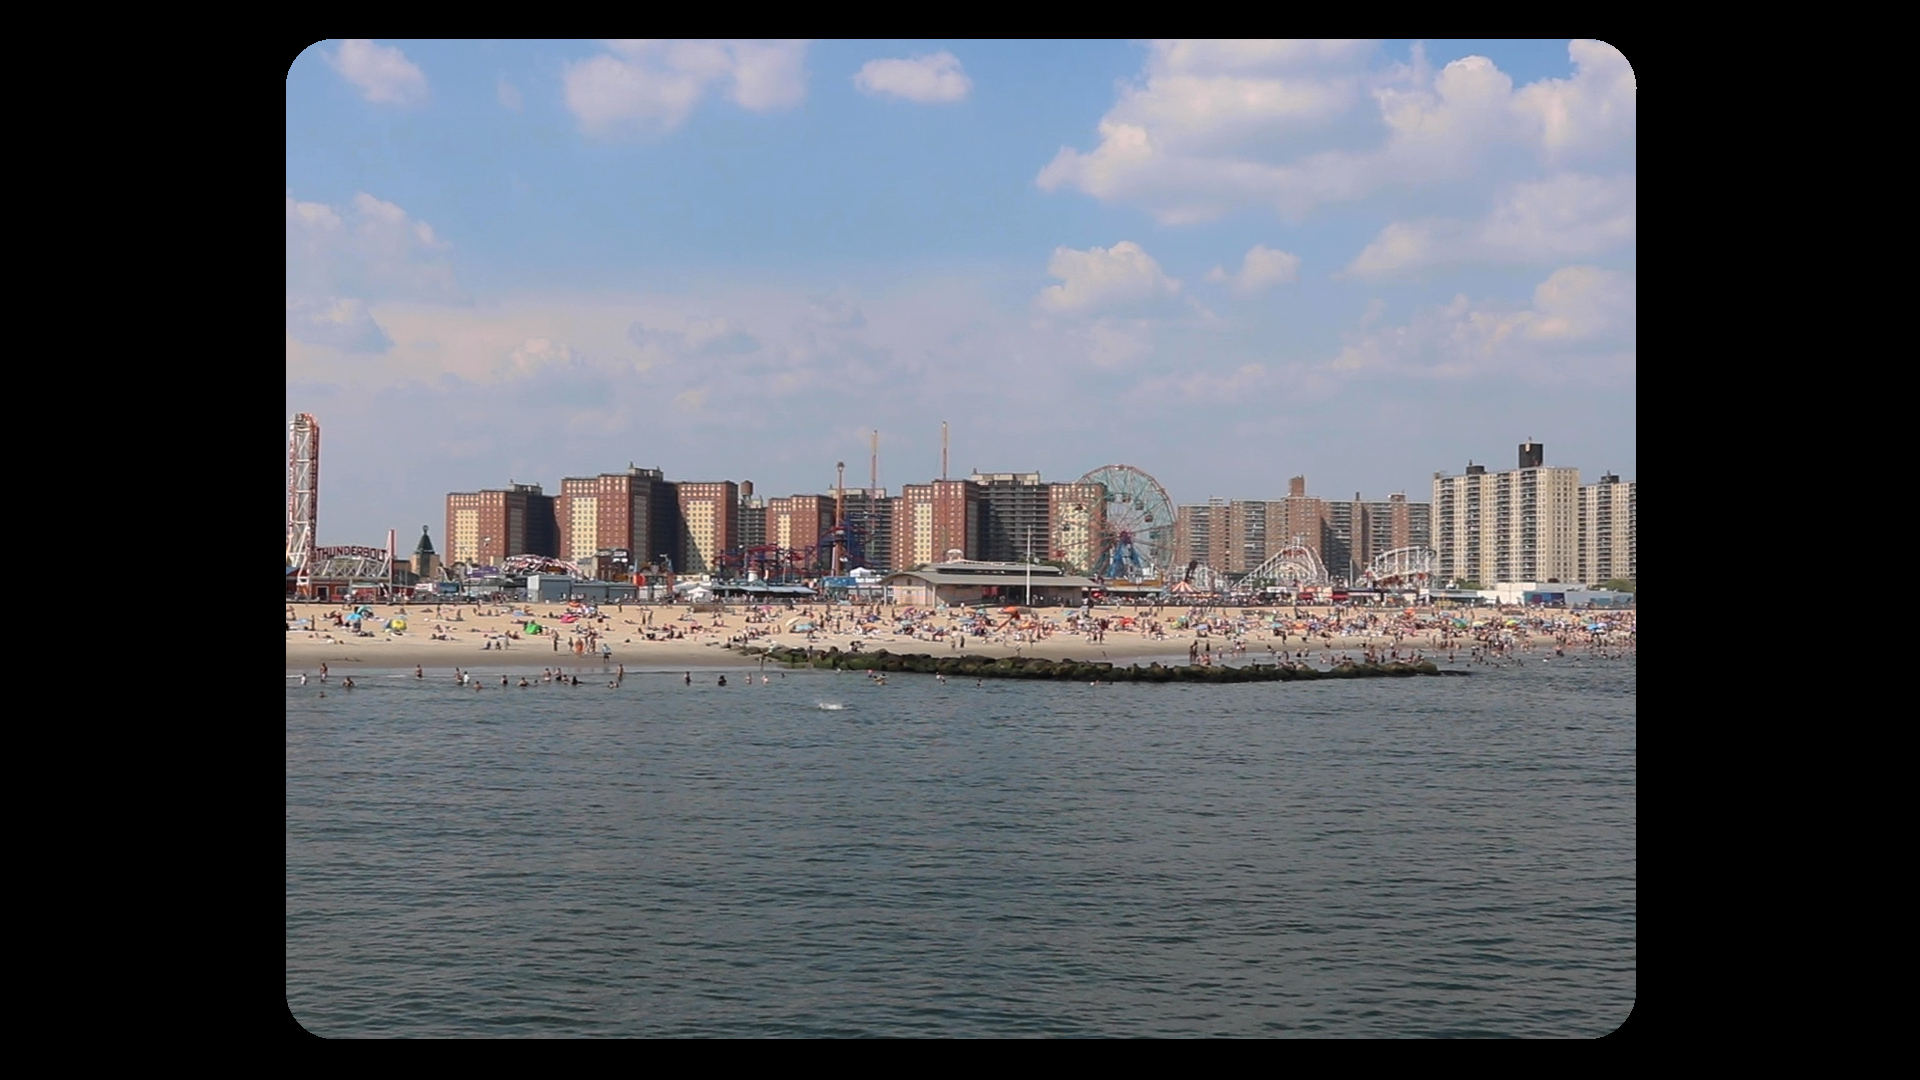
1136	536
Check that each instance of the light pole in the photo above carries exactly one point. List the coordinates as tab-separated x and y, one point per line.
1029	566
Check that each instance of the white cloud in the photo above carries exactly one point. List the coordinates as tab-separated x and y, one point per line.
703	337
1588	113
1216	388
925	79
509	95
1568	216
1212	127
534	354
1123	276
336	323
368	248
1243	55
383	73
651	87
1581	326
1111	344
1262	267
768	77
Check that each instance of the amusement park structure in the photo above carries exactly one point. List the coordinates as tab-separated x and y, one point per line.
303	496
1136	535
313	569
1291	566
1403	566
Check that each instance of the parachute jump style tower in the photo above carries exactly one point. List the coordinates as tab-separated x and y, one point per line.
303	498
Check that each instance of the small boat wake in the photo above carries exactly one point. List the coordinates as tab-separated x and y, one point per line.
829	706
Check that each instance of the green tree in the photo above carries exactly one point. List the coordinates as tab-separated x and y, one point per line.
1619	585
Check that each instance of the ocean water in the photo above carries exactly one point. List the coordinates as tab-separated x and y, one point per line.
822	856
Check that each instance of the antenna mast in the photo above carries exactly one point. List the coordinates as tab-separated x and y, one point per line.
839	516
943	449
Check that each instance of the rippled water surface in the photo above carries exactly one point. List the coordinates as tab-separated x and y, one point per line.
1411	857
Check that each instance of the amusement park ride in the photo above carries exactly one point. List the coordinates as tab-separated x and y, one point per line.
311	568
1136	527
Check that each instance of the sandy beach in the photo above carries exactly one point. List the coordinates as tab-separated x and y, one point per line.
496	637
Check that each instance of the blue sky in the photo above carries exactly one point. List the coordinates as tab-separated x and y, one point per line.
1223	262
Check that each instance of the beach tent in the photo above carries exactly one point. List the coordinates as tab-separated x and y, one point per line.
396	624
534	628
800	625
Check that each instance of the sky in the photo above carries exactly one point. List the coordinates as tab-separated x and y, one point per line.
1225	263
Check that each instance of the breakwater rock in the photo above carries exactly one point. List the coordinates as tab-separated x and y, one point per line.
1021	667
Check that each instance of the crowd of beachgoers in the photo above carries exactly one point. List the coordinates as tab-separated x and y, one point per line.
672	635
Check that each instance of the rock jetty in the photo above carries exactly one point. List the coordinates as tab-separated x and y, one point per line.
1020	667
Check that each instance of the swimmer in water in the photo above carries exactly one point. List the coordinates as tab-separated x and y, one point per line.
417	673
723	680
303	678
524	682
503	680
689	678
349	683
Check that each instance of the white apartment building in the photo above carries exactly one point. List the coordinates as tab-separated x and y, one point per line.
1609	545
1519	525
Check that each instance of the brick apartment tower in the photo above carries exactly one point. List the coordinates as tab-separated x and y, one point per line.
709	513
935	518
636	511
486	527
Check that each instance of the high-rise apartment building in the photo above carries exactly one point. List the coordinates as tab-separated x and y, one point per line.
930	520
1367	529
1520	525
799	522
1247	535
1201	533
752	516
1016	516
636	512
1299	519
1076	516
709	517
870	530
1609	541
1337	552
486	527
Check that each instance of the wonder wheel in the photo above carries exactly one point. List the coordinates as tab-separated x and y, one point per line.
1136	530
